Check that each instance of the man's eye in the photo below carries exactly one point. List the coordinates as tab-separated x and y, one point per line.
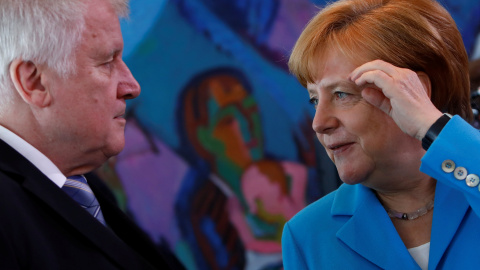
313	101
108	63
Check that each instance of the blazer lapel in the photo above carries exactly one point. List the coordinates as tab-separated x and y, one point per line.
449	204
44	189
369	232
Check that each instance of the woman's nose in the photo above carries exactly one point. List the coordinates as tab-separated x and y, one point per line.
324	120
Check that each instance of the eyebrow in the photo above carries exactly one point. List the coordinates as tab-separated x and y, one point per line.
102	56
337	84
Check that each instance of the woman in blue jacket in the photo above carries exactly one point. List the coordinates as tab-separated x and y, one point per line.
381	74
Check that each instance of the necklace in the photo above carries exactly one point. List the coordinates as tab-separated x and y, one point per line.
412	215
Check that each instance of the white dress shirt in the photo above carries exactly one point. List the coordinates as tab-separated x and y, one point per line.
420	254
38	159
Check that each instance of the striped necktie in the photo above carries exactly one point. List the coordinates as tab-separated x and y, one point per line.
76	187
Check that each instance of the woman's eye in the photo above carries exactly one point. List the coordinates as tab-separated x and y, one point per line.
341	95
313	101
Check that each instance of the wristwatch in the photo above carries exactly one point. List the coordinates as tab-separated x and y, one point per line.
434	130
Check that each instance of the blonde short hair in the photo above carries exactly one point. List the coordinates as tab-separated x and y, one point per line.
419	35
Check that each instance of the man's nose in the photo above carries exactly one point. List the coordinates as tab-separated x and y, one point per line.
128	87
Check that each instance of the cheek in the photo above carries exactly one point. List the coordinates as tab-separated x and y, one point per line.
381	140
369	126
320	139
329	153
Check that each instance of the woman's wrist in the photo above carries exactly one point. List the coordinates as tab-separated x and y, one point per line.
434	130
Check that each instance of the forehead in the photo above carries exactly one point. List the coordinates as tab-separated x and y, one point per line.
331	67
102	26
337	53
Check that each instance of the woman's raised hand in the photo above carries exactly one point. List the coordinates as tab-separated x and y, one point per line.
401	93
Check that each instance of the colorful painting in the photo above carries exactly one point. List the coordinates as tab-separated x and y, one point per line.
219	147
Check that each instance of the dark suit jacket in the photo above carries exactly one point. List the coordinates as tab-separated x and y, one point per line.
41	227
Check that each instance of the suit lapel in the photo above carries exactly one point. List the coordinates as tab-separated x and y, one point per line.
369	232
41	187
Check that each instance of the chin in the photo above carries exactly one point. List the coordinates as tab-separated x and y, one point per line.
113	149
351	178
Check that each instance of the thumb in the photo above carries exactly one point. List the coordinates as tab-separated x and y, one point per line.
377	99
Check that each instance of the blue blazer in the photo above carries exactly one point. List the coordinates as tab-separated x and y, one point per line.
349	228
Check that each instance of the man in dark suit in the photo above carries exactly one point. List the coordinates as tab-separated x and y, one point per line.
63	87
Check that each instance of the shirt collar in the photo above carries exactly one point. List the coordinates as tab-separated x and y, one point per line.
38	159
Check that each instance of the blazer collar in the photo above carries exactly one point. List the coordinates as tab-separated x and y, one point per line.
36	183
369	232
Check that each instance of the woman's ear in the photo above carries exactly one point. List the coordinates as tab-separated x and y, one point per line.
425	80
27	79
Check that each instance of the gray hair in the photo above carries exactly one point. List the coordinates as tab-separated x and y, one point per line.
45	32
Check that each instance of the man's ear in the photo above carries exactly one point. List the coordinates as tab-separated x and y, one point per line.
425	80
27	79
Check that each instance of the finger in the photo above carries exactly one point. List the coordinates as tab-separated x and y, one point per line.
377	99
376	77
388	68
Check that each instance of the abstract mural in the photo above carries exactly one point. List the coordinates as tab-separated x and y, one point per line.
219	150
